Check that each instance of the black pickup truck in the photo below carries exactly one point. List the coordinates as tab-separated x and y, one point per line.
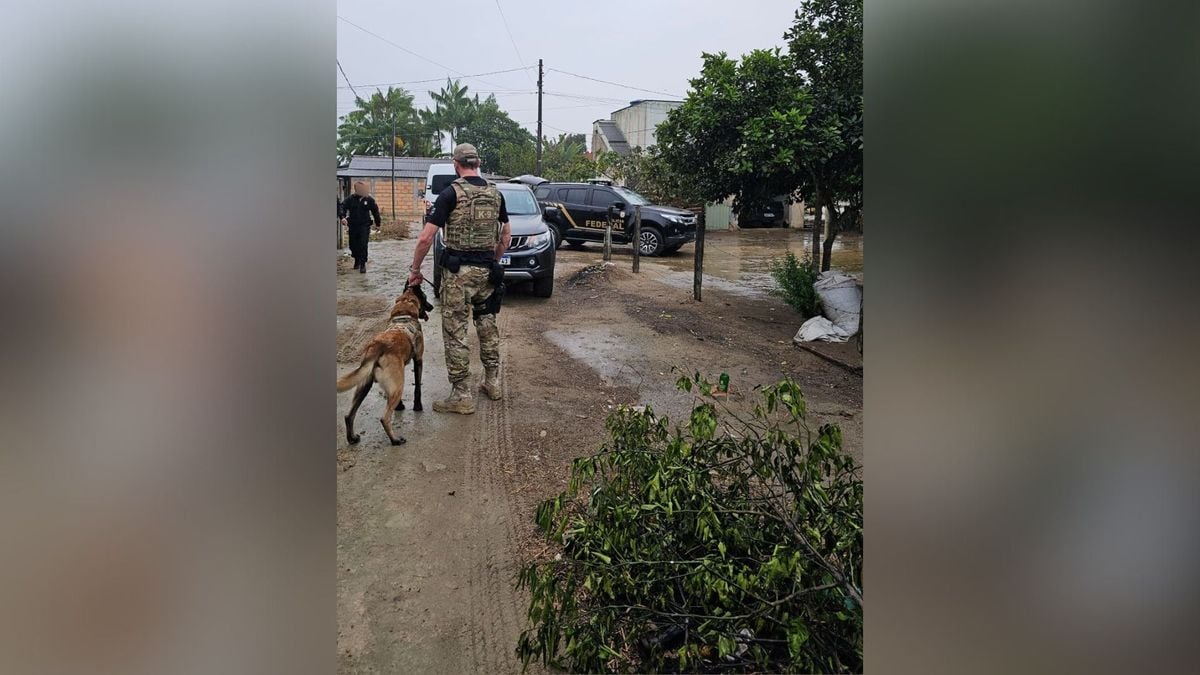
577	213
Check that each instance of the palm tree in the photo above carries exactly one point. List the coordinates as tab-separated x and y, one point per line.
431	122
453	108
368	130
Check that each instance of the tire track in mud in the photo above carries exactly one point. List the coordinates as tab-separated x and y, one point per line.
354	339
496	617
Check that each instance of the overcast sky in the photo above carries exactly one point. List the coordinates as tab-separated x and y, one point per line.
649	44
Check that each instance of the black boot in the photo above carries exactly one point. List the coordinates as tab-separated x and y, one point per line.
362	266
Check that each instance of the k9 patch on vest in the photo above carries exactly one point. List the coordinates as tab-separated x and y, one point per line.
472	225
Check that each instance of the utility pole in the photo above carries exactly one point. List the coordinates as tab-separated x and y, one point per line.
393	165
538	171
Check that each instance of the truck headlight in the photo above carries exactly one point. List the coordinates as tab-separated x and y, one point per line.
678	220
540	240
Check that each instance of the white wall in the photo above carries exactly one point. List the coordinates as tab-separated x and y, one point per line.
638	122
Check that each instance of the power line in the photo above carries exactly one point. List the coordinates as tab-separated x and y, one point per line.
615	84
583	97
508	30
339	65
561	107
407	50
439	79
425	95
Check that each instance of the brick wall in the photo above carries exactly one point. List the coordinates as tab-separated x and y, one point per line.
409	206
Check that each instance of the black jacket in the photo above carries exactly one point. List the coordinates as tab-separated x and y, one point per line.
359	211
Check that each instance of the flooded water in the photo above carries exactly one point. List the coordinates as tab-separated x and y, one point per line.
744	257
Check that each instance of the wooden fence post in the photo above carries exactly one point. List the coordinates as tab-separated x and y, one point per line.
637	238
699	274
608	235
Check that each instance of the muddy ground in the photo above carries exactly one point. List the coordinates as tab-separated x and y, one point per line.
431	533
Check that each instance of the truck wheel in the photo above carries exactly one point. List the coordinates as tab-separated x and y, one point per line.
651	242
577	245
558	240
543	288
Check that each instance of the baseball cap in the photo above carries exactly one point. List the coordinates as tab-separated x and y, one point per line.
465	151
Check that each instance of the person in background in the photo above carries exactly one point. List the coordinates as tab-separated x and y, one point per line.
357	212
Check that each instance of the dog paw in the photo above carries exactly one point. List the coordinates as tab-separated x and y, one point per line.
400	441
353	439
400	405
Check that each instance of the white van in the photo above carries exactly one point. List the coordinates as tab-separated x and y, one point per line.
437	179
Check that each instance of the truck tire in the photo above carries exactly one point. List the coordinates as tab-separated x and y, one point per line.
575	244
543	288
651	242
558	240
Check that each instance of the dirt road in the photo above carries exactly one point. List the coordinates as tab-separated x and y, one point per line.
431	533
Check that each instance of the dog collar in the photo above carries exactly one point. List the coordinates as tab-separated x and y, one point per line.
408	323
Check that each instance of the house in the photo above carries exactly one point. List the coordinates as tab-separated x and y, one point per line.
410	173
632	126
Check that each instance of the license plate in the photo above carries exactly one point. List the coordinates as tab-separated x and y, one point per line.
505	260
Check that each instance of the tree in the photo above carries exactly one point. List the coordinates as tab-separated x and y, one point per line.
453	109
743	130
500	140
432	121
644	170
779	124
825	44
368	129
517	159
565	159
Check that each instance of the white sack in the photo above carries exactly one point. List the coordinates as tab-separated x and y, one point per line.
820	328
841	300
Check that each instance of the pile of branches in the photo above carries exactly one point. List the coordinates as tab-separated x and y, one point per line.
732	543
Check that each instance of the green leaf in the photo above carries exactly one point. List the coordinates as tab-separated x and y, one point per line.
797	636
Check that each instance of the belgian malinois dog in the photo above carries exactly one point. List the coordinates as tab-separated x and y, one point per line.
385	358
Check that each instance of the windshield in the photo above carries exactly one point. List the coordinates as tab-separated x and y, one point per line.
440	182
632	198
520	202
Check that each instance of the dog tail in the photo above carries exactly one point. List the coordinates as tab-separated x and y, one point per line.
358	375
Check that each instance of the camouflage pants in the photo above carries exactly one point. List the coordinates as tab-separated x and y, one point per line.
460	292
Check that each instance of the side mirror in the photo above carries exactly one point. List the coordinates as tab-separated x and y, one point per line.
550	211
619	206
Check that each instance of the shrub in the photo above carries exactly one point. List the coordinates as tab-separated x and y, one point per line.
697	551
794	281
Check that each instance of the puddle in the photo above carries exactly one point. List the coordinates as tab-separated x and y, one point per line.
744	257
756	286
603	350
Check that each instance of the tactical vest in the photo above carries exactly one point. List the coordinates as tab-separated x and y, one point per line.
473	224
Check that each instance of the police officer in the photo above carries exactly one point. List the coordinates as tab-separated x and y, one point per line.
476	233
357	211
